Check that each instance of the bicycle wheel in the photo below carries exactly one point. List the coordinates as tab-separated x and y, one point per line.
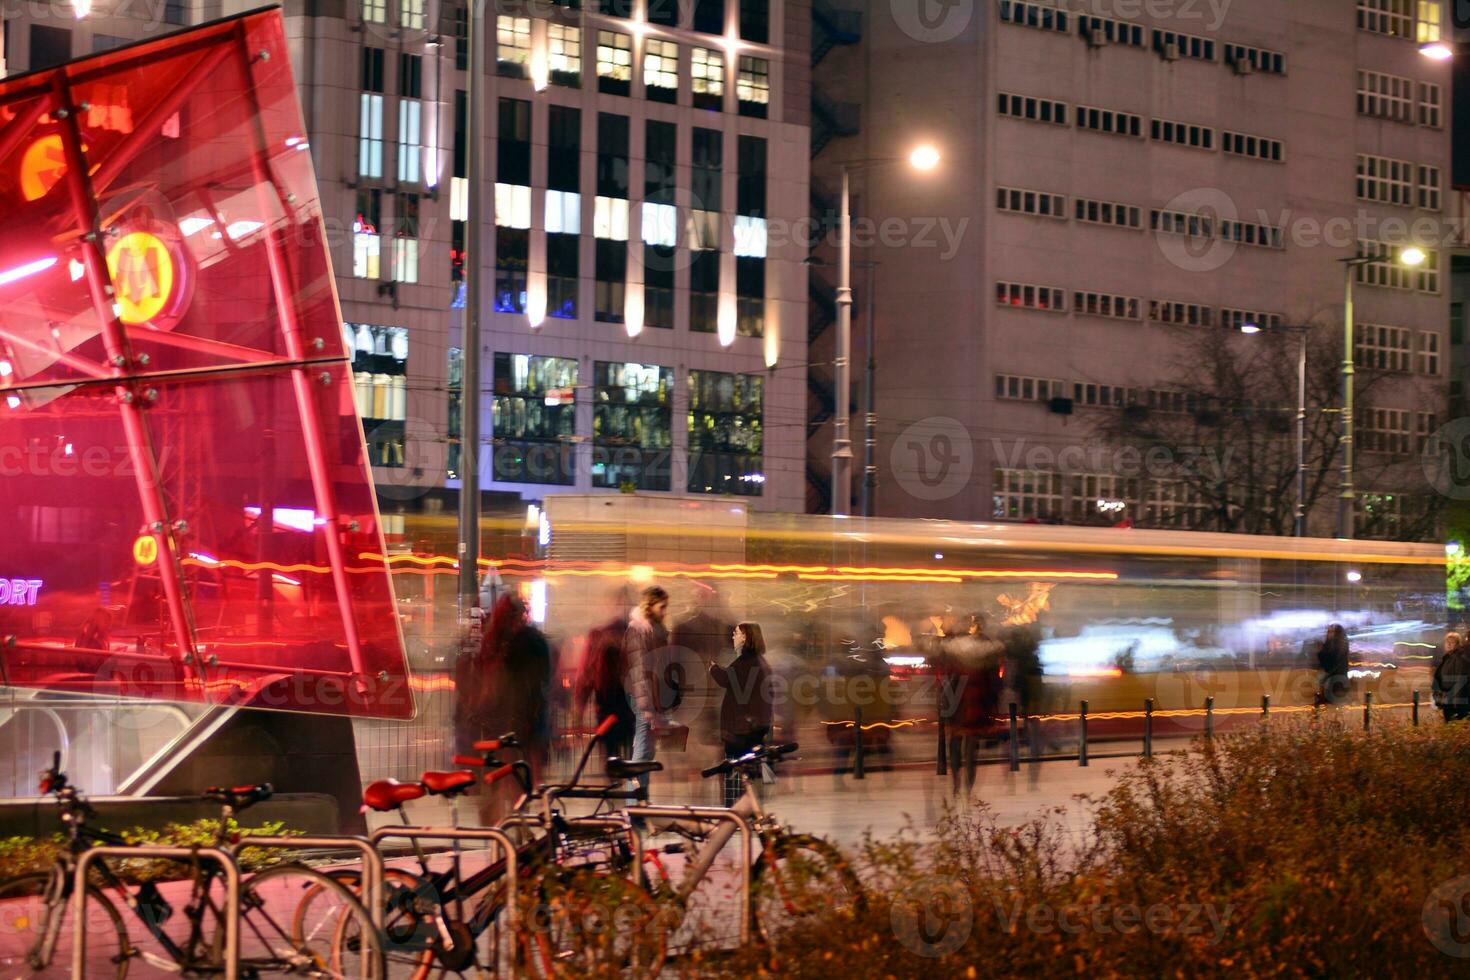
798	876
332	935
410	935
586	923
24	915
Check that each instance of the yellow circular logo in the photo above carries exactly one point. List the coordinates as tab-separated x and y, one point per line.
142	272
41	167
145	549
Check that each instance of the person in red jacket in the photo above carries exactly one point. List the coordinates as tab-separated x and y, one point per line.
969	669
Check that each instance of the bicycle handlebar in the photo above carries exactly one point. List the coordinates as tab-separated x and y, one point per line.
606	725
491	778
762	753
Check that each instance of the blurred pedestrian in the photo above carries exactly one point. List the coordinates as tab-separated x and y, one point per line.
1332	661
971	670
1451	686
96	632
505	685
697	641
745	711
600	681
645	646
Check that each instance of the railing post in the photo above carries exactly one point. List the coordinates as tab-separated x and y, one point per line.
1148	728
1210	717
1015	748
857	743
942	767
1082	745
1367	711
1416	709
1265	706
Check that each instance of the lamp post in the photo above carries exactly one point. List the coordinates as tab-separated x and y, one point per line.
924	158
868	491
1299	519
1408	258
469	441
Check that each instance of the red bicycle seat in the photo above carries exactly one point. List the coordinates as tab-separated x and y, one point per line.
441	783
389	794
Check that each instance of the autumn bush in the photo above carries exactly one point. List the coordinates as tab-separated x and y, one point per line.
1293	850
22	855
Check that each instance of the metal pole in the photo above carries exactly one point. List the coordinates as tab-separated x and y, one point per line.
941	768
1265	705
1345	498
1301	437
841	441
1148	728
870	406
474	264
1015	748
857	743
1082	745
1416	709
1367	711
1210	717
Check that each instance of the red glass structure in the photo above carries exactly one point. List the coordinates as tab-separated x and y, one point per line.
188	512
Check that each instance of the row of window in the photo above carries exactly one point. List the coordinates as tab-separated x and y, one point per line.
1119	123
1400	182
1099	31
1384	269
1053	299
614	53
535	431
1196	225
1399	349
1392	97
1421	20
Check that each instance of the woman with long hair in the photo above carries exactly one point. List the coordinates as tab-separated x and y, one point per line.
1332	658
745	712
505	686
600	680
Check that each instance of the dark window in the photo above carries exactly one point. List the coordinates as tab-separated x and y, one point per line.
707	176
406	221
561	275
750	185
658	286
370	210
709	16
662	157
174	12
534	414
372	69
750	297
564	145
513	150
1457	324
454	386
704	291
612	279
618	8
632	425
461	123
461	38
106	42
663	12
726	433
755	20
411	76
512	246
612	155
456	252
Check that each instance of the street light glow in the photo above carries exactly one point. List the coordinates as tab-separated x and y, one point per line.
1438	51
1250	328
925	157
1412	256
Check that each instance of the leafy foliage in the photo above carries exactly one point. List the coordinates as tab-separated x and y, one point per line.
22	855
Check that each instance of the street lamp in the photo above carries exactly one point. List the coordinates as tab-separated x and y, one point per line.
1409	258
1299	520
924	158
867	494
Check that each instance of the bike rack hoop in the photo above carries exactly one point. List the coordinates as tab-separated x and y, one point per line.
372	863
719	813
227	864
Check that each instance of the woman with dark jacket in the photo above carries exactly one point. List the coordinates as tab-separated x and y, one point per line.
600	682
505	687
1451	684
1332	660
745	712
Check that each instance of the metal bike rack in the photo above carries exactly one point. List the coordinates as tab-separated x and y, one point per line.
492	834
372	863
232	897
719	813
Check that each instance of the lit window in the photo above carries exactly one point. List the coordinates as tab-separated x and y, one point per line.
564	53
406	260
512	206
411	14
564	212
370	137
513	44
753	86
661	69
375	11
459	199
614	62
1430	16
704	230
610	219
750	237
660	224
708	74
366	248
409	150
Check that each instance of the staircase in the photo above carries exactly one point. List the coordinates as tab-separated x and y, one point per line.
831	27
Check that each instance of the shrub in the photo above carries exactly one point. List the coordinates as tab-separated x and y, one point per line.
22	855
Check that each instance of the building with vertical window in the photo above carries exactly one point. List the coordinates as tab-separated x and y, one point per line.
1114	192
644	330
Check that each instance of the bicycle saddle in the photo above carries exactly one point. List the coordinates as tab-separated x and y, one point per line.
389	794
448	783
623	769
239	797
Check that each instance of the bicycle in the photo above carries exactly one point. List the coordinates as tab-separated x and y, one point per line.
793	875
36	940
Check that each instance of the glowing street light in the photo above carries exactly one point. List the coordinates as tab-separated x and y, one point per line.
1437	51
924	158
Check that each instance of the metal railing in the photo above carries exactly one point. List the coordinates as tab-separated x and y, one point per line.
716	813
372	863
230	914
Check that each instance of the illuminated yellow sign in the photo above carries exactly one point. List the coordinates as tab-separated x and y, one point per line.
145	549
42	165
142	272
